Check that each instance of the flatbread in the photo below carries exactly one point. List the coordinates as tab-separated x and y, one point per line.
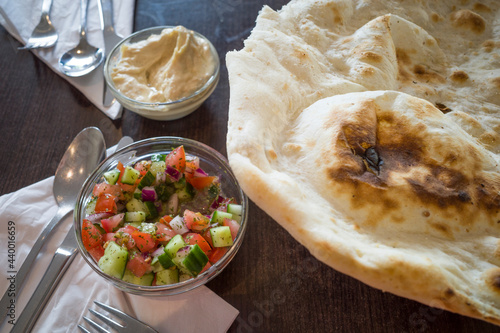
370	130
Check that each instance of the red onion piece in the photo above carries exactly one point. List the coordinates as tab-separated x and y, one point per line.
158	251
94	218
178	225
200	173
160	177
173	173
148	193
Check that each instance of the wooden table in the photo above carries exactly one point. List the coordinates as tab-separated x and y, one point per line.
274	282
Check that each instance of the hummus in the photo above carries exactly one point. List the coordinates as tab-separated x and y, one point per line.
164	67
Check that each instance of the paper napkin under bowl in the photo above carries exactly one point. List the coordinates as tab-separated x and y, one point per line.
23	15
28	210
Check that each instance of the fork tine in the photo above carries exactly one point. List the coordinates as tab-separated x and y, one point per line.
83	329
125	317
106	320
96	325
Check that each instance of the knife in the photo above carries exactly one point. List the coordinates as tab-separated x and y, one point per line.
110	39
61	260
57	267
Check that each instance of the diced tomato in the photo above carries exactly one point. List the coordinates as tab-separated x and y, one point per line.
143	166
104	188
139	265
217	254
164	233
207	266
91	237
97	252
233	226
129	229
202	182
166	219
106	203
112	224
195	221
193	163
144	241
107	237
206	235
193	238
128	188
177	158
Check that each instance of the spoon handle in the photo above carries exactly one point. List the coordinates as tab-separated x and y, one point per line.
10	296
46	4
84	4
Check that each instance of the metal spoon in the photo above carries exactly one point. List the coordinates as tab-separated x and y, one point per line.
80	159
84	58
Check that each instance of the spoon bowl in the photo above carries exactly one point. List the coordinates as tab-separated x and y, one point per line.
81	158
84	58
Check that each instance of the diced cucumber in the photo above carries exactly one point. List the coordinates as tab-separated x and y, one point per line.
145	280
167	276
90	208
195	261
186	193
130	175
221	236
147	180
176	243
151	211
134	224
213	192
180	183
114	260
164	191
157	267
184	277
135	205
111	176
234	209
219	216
158	158
137	194
165	260
157	166
135	216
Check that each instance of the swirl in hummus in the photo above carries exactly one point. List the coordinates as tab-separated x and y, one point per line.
165	67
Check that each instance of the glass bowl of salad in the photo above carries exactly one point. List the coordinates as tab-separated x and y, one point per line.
161	216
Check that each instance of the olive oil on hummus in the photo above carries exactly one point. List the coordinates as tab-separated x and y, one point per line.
164	67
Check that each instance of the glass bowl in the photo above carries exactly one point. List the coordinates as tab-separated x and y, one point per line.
211	161
167	110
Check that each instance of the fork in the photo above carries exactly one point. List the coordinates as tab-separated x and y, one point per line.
129	324
44	35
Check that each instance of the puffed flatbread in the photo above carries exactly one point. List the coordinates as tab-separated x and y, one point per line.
370	130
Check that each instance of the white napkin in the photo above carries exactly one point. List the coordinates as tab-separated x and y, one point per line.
28	210
24	15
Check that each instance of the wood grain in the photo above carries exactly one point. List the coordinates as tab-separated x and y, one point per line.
273	281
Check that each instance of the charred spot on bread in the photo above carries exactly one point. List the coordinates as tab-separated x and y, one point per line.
443	108
469	20
459	76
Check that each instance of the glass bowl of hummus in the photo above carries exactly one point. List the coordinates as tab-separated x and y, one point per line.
162	73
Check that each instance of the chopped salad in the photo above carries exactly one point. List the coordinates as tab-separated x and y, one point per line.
159	221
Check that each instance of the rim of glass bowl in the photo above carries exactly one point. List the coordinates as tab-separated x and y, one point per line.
115	52
152	146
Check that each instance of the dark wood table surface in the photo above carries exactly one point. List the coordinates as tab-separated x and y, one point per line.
273	281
